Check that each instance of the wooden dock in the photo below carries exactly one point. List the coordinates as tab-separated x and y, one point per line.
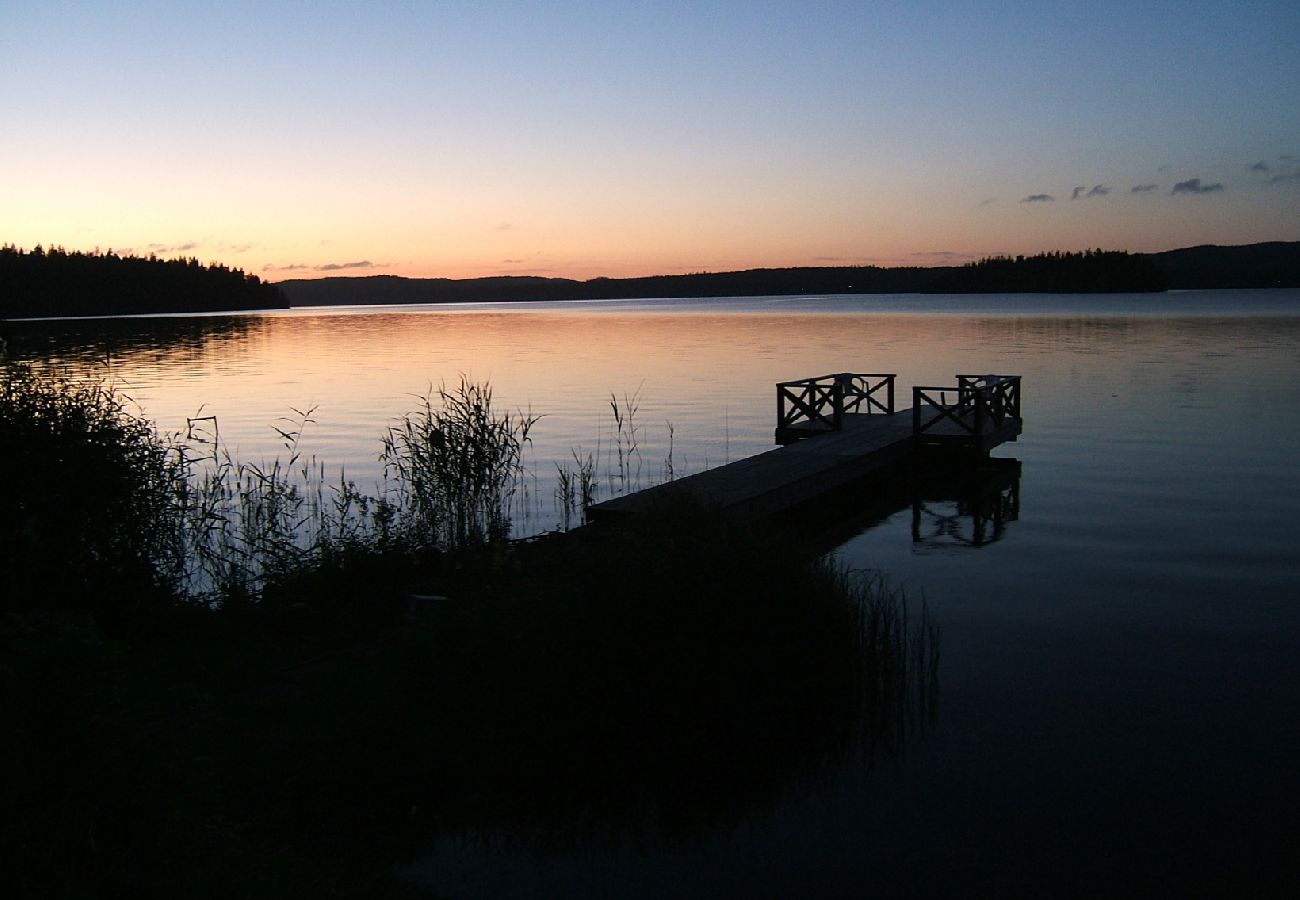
838	429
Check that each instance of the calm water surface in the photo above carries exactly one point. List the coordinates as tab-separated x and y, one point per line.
1120	681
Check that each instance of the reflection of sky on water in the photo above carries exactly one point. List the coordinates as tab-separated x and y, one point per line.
1119	682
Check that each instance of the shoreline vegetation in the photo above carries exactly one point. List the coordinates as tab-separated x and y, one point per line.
41	283
59	283
356	677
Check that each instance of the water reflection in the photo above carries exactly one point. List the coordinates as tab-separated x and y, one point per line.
114	345
967	511
952	508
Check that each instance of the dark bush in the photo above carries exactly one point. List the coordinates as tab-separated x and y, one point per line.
91	518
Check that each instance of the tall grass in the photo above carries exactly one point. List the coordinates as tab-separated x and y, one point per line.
627	447
456	465
250	524
107	511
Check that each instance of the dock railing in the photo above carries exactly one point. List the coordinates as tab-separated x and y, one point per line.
982	405
813	405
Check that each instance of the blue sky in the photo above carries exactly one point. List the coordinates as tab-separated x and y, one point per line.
582	139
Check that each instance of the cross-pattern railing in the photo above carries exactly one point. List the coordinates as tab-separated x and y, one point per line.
982	404
973	511
817	404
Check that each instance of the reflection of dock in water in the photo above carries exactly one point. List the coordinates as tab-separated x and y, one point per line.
968	509
952	507
839	431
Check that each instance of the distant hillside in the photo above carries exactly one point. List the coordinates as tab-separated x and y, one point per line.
1274	264
1089	272
40	283
750	283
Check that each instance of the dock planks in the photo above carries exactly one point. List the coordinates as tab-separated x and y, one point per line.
778	480
837	429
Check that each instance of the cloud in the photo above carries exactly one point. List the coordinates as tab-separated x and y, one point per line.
1038	198
338	267
1194	186
1286	157
988	201
235	248
940	254
505	226
1142	188
172	248
1260	166
1284	177
513	262
1097	190
325	267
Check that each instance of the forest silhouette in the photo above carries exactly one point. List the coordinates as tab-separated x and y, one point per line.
1089	272
56	282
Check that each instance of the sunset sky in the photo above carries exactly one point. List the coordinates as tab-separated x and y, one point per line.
461	139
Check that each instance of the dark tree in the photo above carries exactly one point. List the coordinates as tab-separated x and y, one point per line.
57	282
1089	272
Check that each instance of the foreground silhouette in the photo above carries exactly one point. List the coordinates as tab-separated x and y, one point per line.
56	282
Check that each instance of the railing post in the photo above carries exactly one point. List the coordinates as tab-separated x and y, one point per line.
837	401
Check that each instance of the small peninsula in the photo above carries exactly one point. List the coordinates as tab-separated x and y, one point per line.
54	283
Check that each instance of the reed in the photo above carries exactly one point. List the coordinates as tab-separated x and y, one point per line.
627	447
455	465
109	512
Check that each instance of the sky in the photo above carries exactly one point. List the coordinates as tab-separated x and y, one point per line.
450	138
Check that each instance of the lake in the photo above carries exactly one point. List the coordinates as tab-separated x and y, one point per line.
1120	676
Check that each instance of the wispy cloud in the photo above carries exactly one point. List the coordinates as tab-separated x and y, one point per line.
1284	177
1038	198
1097	190
1194	186
1260	166
339	267
172	248
1142	188
325	267
989	201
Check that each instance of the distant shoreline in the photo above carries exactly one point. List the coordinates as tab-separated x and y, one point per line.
60	284
1266	265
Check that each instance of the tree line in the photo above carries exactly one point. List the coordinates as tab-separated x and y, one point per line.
1087	272
57	282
